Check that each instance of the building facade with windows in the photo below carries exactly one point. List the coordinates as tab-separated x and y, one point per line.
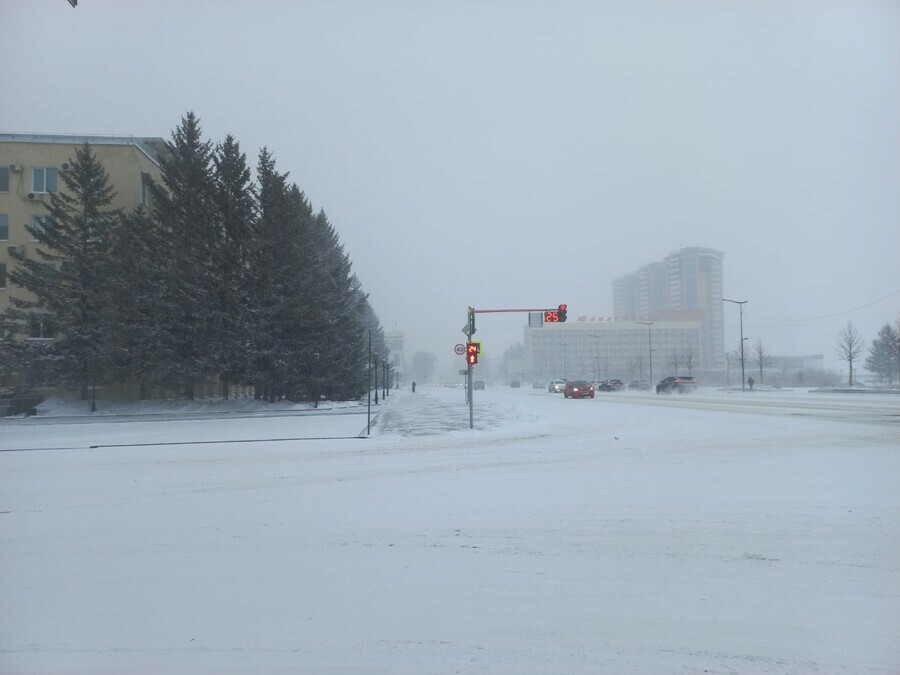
686	285
612	349
30	168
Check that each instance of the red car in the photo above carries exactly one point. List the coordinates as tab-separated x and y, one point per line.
579	389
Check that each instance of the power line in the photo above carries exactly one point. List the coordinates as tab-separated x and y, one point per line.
826	316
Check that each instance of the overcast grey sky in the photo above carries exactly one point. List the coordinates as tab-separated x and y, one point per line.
517	154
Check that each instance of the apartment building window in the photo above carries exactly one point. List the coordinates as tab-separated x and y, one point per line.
2	275
41	328
4	227
145	189
44	179
41	223
4	179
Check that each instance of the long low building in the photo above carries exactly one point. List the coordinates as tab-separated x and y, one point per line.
613	349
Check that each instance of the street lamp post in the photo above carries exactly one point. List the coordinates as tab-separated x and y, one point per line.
649	345
740	303
597	356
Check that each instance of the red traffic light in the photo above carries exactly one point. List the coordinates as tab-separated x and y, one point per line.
471	353
555	316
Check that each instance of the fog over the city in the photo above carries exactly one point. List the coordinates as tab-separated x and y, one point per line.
525	154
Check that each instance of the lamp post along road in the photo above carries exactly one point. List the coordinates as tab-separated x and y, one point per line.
649	345
740	303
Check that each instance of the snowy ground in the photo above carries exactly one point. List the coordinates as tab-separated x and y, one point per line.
721	533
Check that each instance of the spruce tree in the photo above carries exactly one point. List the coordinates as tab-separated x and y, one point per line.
70	274
274	280
186	211
138	278
884	354
237	208
335	314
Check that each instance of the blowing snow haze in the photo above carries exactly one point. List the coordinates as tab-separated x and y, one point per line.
521	154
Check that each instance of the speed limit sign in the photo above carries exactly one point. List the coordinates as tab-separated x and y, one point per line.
459	349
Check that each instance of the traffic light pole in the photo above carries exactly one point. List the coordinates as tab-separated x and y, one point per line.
552	315
470	330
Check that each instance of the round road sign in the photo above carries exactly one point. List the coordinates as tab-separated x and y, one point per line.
460	349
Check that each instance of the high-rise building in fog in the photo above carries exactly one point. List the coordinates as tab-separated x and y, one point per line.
694	283
625	296
686	285
642	294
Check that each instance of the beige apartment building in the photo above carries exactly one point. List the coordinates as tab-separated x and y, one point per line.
30	171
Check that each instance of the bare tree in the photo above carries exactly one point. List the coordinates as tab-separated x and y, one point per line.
630	366
849	346
739	356
689	360
674	361
761	357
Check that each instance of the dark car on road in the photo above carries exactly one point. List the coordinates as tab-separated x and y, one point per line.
640	385
578	389
671	384
611	385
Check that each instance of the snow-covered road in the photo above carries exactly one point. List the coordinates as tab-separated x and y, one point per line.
613	535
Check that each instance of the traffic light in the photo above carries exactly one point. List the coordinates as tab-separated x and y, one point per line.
561	313
471	353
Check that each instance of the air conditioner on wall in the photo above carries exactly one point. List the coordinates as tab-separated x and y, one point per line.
32	195
15	249
65	166
15	167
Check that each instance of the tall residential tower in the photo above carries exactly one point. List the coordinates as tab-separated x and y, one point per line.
686	285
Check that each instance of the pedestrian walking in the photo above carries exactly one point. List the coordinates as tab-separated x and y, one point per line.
750	382
414	387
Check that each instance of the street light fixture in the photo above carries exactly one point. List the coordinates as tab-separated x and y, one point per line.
740	303
649	345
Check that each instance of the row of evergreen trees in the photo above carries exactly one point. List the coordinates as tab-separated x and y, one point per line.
222	280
